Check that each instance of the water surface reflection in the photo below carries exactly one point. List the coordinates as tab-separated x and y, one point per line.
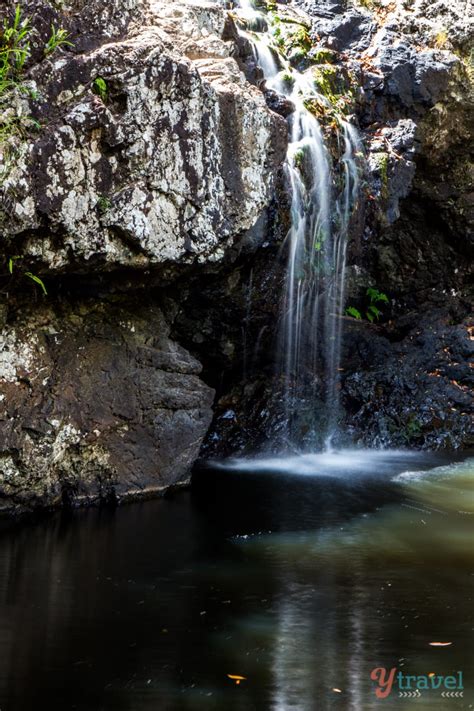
301	584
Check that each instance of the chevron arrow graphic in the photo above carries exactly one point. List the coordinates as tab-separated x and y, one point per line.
453	694
410	694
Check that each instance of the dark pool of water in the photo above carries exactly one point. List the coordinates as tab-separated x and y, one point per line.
301	577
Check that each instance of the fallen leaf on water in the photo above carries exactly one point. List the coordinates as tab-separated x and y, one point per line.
338	691
236	677
440	644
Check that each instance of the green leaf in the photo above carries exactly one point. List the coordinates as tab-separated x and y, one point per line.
99	87
374	311
375	295
355	313
38	281
11	262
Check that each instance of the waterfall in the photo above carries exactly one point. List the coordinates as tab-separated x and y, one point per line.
316	244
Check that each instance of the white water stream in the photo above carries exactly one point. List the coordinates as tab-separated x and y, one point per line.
313	302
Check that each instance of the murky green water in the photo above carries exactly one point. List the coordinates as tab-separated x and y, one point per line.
301	576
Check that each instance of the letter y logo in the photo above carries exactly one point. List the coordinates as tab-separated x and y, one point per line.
385	682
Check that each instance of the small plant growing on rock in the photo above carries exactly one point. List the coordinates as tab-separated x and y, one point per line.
296	43
11	264
375	296
382	166
14	50
441	40
103	204
355	313
298	158
59	38
288	79
372	312
99	87
321	55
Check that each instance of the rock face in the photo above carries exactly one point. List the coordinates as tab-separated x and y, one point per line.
142	148
97	402
418	388
155	169
417	245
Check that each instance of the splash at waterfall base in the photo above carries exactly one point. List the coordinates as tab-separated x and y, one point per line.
393	393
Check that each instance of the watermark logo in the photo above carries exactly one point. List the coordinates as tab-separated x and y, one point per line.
411	685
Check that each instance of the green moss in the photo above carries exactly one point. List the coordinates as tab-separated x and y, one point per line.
331	83
370	4
382	160
103	204
315	107
292	38
293	21
321	55
288	79
270	6
325	81
301	161
409	428
298	158
299	39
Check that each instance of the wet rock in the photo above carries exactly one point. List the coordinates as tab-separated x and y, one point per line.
390	161
416	390
279	103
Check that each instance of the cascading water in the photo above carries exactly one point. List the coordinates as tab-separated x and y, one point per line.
313	302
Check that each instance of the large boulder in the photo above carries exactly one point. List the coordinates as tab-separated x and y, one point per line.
97	402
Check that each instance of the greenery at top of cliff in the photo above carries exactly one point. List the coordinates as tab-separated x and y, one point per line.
14	50
16	34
